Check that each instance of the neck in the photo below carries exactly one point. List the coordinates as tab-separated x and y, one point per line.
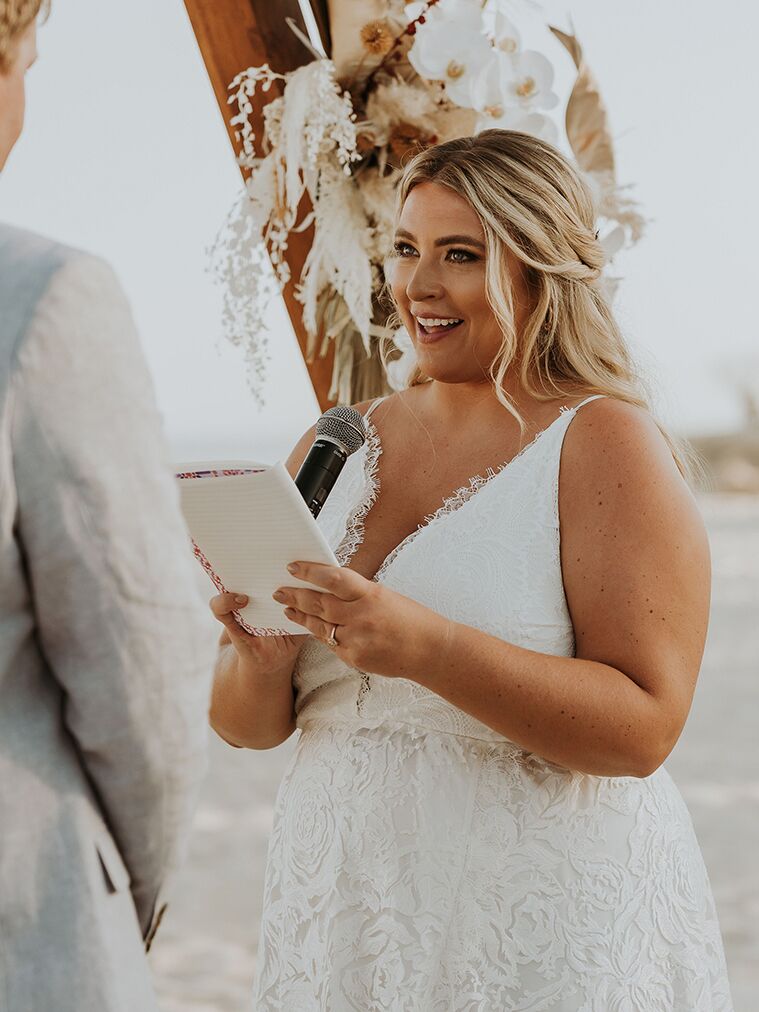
476	399
472	405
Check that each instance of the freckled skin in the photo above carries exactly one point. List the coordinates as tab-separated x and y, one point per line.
617	707
615	453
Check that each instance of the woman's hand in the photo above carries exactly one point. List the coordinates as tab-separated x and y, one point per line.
252	699
262	653
377	630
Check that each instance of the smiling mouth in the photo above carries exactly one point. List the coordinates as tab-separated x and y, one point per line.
435	327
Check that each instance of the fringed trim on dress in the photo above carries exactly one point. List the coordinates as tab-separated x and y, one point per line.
354	529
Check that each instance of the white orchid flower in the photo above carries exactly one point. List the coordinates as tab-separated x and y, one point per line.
534	123
446	51
465	13
519	80
506	34
528	77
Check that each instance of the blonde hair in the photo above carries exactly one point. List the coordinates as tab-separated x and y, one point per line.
15	17
533	205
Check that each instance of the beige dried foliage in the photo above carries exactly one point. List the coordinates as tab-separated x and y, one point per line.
613	202
377	38
378	198
587	119
346	20
451	121
396	101
589	135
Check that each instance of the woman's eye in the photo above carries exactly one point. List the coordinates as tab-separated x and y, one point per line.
402	249
456	256
460	256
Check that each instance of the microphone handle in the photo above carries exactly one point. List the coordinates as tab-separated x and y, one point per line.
319	472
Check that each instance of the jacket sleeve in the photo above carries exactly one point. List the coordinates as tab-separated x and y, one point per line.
116	596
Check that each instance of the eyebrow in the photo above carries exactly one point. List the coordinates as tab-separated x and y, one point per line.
446	240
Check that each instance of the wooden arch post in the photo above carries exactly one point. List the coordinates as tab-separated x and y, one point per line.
233	35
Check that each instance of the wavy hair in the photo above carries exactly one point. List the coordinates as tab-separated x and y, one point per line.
533	204
15	17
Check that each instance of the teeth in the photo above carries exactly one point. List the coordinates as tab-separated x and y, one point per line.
430	322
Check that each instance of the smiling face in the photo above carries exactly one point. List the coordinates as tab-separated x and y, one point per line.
438	281
12	95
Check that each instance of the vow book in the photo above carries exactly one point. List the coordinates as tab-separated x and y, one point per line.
247	522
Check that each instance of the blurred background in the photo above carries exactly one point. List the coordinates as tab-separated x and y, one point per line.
125	155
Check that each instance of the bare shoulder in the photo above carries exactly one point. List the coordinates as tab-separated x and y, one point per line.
616	458
634	552
610	432
386	403
619	483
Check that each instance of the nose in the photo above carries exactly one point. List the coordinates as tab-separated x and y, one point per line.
424	282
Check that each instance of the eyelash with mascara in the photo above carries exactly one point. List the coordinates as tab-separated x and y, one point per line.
398	248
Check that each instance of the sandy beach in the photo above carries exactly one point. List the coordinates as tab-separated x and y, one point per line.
204	956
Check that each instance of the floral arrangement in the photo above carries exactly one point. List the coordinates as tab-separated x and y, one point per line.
340	132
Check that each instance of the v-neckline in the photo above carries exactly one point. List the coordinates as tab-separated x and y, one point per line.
451	504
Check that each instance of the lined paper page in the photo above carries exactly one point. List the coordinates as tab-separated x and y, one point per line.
247	528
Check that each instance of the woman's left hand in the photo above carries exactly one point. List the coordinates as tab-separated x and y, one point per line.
377	630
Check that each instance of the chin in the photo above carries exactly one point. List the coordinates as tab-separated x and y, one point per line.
450	372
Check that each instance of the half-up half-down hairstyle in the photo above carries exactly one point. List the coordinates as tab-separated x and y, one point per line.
533	205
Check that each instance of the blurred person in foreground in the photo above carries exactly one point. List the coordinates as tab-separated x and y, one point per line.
105	659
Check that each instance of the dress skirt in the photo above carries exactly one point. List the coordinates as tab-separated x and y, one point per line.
418	871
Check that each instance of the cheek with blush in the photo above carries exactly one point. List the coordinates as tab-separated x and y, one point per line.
396	273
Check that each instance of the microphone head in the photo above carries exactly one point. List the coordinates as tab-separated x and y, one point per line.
344	426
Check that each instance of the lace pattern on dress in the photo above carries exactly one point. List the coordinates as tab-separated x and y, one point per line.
462	495
452	503
419	864
354	528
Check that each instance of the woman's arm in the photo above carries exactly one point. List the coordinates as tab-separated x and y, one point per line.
636	574
252	698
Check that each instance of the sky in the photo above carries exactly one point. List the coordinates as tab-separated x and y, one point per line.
125	154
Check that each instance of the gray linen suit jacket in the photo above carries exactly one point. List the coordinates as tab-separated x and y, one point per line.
106	648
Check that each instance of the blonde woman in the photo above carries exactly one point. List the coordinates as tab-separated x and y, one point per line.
476	815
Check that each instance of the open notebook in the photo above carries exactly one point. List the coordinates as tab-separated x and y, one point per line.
247	522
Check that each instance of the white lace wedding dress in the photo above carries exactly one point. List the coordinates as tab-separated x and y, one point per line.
419	861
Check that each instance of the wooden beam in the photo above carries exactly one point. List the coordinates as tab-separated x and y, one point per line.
233	35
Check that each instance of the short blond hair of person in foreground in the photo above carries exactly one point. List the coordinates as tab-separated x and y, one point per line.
15	17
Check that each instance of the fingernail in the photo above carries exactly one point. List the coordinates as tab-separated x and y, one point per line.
293	567
278	595
241	598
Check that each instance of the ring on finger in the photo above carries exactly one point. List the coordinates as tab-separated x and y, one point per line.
332	641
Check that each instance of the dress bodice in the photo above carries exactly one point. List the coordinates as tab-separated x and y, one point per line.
488	558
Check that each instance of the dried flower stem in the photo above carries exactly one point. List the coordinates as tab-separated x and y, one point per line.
409	30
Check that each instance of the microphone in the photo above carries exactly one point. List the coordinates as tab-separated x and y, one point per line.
339	432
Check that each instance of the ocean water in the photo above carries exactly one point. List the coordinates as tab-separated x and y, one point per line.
204	955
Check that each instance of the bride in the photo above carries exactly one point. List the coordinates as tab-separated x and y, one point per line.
476	815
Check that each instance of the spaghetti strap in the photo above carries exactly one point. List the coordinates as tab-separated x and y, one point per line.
593	397
373	404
